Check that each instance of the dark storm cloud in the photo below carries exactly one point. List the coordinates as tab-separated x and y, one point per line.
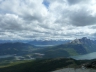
10	22
82	19
72	2
34	17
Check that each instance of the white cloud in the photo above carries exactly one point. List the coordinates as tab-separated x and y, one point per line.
63	19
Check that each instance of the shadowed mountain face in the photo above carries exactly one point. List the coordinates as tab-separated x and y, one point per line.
14	48
78	48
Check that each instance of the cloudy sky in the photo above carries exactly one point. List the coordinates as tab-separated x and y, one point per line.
47	19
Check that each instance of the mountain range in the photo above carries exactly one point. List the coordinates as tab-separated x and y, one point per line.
48	42
71	48
57	53
76	47
36	42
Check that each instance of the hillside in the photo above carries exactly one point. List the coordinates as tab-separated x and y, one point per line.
45	65
14	48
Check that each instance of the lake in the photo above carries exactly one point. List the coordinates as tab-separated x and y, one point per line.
86	56
43	45
6	56
79	57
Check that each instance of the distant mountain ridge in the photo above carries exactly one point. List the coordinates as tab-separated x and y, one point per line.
48	42
72	48
36	42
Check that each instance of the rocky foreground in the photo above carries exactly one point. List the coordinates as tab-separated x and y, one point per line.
75	70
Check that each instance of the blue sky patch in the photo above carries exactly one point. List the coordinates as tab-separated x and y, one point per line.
46	3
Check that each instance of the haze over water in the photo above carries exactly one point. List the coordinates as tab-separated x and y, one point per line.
86	56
